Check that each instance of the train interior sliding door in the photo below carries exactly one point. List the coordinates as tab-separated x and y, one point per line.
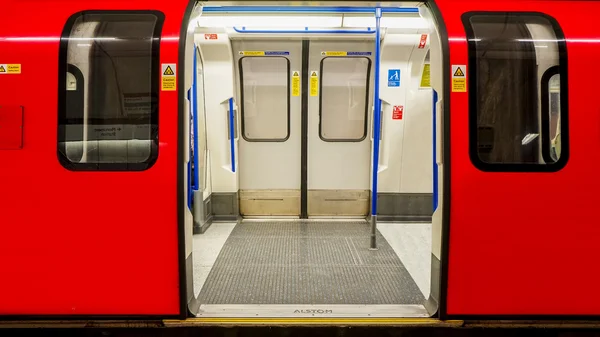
307	201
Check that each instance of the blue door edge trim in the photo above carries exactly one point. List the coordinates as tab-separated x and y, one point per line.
195	119
435	165
306	9
232	134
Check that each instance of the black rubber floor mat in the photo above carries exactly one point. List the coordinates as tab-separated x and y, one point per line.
307	262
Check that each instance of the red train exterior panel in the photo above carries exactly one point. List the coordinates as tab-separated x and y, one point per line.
523	243
106	243
82	243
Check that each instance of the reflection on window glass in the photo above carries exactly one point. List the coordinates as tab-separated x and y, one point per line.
108	118
265	98
344	98
505	87
554	97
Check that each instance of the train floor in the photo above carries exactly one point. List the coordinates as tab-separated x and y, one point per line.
290	267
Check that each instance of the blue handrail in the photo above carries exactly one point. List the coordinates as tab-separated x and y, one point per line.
376	135
305	9
232	134
305	31
190	186
195	119
435	166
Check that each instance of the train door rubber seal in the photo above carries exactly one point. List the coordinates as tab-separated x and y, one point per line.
304	132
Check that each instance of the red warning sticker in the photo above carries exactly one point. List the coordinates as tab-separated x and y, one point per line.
211	36
423	41
398	112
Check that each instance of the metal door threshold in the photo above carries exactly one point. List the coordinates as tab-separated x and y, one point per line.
309	311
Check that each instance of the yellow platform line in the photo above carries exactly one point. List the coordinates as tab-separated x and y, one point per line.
310	322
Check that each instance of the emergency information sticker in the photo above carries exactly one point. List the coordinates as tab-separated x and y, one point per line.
169	77
398	112
459	78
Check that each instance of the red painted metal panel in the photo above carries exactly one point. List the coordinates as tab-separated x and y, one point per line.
11	127
82	243
525	243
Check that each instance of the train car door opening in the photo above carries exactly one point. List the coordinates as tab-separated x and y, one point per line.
298	165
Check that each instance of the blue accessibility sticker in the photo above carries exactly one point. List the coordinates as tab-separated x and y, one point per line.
393	77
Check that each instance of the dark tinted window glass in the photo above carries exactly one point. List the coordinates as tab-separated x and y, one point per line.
509	54
108	118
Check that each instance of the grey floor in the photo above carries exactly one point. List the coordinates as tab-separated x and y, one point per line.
310	262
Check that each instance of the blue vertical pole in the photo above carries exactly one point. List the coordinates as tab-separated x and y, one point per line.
195	121
435	166
232	134
377	129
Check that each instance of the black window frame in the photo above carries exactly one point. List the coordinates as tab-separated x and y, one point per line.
474	95
242	105
368	88
63	67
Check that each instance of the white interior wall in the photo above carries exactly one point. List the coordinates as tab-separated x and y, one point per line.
217	60
406	147
417	162
437	83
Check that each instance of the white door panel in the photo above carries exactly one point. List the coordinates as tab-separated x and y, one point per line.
269	124
339	145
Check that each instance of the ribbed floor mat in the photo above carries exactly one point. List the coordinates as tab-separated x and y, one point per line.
307	262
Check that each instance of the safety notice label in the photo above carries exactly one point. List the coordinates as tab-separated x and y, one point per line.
295	83
10	69
169	77
459	78
398	112
423	41
314	83
263	53
346	53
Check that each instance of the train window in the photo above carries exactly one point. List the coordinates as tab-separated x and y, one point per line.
344	98
518	109
108	102
265	98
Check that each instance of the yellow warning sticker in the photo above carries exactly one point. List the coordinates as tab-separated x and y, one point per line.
263	53
252	53
169	77
334	53
10	69
426	76
314	83
459	78
169	71
296	83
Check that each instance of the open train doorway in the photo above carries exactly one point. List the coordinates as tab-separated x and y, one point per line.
313	167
